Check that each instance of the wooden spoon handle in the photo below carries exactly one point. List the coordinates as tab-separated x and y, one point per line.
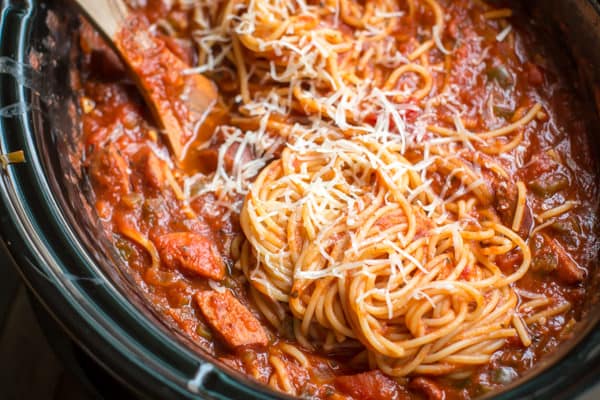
107	15
189	100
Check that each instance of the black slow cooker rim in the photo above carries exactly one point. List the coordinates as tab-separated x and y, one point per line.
34	231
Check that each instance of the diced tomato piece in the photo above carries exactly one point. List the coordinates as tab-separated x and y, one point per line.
192	252
371	118
509	262
372	385
231	320
411	115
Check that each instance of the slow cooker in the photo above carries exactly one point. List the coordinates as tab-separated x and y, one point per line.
49	229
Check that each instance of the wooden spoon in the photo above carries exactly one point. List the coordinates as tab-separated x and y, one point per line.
180	102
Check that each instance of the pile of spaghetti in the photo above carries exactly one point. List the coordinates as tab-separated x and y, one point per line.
349	236
368	205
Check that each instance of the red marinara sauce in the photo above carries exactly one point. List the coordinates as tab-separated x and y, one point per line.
173	248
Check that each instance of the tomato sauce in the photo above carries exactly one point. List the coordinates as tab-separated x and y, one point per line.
174	249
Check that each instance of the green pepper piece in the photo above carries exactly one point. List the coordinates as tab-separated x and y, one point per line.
500	74
545	262
504	112
203	331
550	185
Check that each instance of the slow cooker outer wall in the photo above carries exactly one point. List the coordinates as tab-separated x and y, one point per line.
40	228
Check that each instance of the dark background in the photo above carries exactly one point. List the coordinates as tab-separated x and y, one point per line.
29	369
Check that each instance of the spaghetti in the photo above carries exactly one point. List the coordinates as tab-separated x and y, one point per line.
347	236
